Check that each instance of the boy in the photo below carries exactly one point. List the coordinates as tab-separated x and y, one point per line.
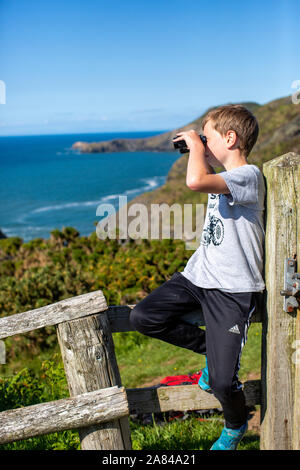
224	274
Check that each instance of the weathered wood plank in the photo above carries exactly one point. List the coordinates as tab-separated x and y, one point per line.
90	364
83	410
182	398
279	327
296	357
64	310
296	345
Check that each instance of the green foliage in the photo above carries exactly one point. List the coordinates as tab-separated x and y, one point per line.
273	115
36	243
121	271
21	390
274	150
7	268
64	440
10	246
27	388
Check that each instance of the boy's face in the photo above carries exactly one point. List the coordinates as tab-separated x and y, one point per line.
216	147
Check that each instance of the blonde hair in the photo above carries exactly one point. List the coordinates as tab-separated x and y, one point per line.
237	118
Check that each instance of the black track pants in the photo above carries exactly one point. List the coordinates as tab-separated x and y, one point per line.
226	317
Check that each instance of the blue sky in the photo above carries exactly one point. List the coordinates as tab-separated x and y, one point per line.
95	66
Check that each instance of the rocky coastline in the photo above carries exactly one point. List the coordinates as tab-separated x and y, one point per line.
158	143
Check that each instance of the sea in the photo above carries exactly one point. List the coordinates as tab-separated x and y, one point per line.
45	185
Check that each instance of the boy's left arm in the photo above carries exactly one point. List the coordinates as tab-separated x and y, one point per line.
200	176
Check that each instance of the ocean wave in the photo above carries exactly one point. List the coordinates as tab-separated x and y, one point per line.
151	183
66	151
24	232
59	207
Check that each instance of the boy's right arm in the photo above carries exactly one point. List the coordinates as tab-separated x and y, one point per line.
201	176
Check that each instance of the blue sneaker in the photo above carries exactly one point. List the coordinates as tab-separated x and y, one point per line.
230	438
203	381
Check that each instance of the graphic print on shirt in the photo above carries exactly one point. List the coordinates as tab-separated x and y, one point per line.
214	230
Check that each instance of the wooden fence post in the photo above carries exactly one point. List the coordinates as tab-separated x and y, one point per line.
90	364
280	392
296	428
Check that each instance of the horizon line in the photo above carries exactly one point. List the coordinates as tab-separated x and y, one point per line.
76	133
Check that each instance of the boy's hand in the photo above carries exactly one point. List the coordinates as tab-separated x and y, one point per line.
191	138
200	174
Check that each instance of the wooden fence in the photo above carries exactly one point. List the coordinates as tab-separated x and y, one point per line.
99	406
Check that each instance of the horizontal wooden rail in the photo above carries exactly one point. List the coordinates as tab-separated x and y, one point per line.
81	306
183	398
83	410
53	314
118	316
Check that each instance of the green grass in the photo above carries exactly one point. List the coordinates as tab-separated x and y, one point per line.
64	440
148	358
190	434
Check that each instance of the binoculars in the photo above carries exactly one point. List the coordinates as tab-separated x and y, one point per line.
181	144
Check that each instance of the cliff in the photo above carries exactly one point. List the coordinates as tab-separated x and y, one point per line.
158	143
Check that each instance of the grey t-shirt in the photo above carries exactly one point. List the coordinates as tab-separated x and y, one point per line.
230	254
